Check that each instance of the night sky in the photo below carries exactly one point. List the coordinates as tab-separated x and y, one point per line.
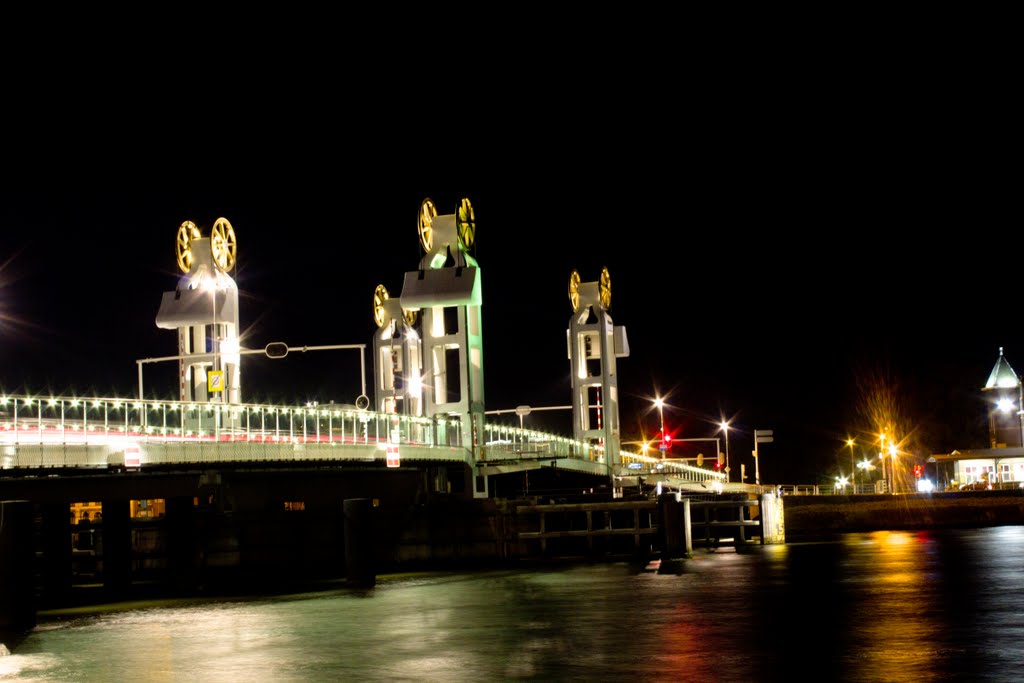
788	271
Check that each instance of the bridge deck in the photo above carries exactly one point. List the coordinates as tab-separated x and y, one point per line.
101	432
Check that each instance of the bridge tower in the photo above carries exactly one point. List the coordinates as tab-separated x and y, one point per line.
446	288
594	343
203	309
397	357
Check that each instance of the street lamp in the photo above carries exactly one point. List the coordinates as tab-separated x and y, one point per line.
660	405
853	465
881	456
725	428
892	467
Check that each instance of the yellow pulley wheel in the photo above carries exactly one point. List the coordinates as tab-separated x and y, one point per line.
605	289
187	232
465	222
380	295
428	212
410	316
574	290
223	245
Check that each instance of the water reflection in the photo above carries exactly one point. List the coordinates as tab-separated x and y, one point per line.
884	606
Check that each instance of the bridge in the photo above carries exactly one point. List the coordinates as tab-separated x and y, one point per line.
91	433
425	406
207	487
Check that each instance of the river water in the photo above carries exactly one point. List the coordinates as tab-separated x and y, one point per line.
881	606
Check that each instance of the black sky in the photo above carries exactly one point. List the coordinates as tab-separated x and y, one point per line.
777	243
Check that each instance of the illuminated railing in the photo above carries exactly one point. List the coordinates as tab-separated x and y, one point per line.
36	431
84	421
505	442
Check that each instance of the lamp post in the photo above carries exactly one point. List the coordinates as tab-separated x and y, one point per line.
210	284
725	428
881	456
660	405
892	467
853	465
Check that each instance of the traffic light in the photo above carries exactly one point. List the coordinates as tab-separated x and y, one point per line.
666	440
918	471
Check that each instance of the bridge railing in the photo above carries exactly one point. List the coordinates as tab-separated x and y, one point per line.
85	421
508	442
114	422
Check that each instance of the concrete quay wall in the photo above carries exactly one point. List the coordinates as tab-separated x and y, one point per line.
812	517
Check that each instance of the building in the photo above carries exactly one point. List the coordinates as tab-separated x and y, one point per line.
1002	463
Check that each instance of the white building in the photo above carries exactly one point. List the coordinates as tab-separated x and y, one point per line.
1002	464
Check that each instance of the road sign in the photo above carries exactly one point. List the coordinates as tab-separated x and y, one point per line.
393	459
662	448
215	380
763	436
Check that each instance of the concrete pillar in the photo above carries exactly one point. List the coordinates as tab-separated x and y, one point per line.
56	545
17	589
770	510
359	542
181	534
116	535
687	528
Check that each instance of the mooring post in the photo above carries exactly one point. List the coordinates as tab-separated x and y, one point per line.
675	526
359	542
17	592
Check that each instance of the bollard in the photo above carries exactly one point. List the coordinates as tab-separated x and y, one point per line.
17	592
359	542
675	526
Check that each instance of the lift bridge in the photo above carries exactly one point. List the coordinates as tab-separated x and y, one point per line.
427	409
63	434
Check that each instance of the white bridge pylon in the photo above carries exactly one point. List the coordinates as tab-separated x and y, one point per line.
203	309
594	342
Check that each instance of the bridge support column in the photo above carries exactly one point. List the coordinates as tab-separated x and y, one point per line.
17	592
359	542
56	544
181	531
117	546
770	511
